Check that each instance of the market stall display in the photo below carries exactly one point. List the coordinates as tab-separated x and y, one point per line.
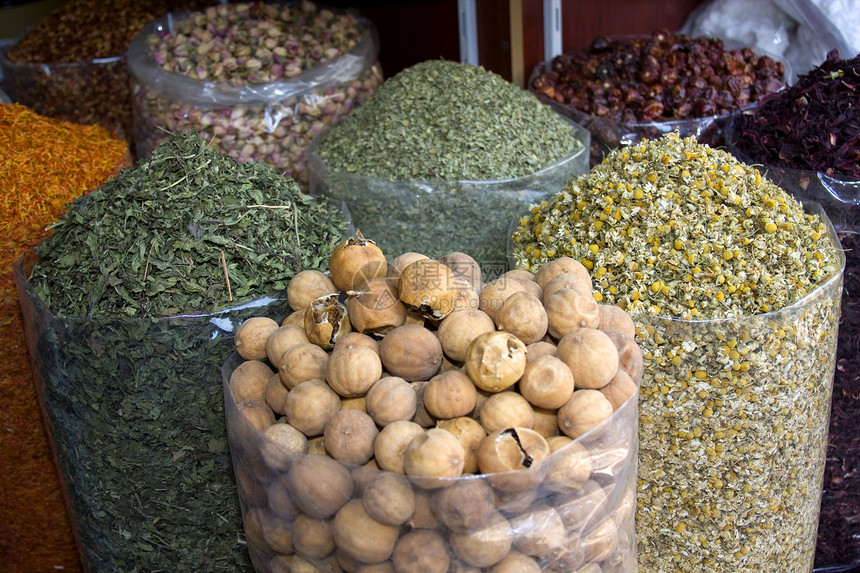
735	289
259	80
71	65
128	320
32	198
434	426
805	139
442	156
626	88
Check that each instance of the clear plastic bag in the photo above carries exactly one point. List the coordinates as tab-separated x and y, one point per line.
733	433
580	523
438	217
271	122
138	432
90	92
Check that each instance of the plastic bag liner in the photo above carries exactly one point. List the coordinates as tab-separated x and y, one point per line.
135	417
86	92
435	217
563	525
271	122
733	430
839	196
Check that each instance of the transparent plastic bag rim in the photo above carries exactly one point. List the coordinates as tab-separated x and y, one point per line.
580	134
201	93
46	67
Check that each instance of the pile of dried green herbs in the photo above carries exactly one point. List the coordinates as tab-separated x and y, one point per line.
449	121
131	314
735	291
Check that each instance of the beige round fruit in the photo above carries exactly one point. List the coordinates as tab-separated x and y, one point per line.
354	338
464	504
496	292
537	349
257	412
389	498
516	562
547	382
485	545
523	315
276	394
569	466
616	318
421	551
470	433
319	485
302	362
282	443
373	307
630	357
249	380
390	445
251	337
585	410
507	409
460	328
495	360
402	261
567	310
572	281
352	370
306	286
591	356
411	352
282	340
435	453
539	530
450	394
310	405
354	261
312	537
430	287
349	436
511	449
465	266
390	399
359	535
558	266
620	389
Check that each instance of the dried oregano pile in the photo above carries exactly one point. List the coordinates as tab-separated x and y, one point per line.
734	401
674	228
449	121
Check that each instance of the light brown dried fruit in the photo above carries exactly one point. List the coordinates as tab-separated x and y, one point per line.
401	261
495	360
620	389
496	292
523	315
251	337
390	445
349	436
569	466
585	410
450	394
306	286
485	545
390	399
558	266
257	412
362	537
281	340
276	394
630	357
506	409
615	318
547	382
567	310
430	287
470	433
460	328
463	505
326	320
572	281
374	308
511	449
249	379
411	352
312	537
319	485
354	261
389	498
591	356
310	405
302	362
434	453
421	551
538	531
464	266
352	370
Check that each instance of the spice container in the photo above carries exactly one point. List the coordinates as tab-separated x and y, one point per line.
71	65
805	138
127	320
627	88
82	157
438	440
735	291
208	71
441	157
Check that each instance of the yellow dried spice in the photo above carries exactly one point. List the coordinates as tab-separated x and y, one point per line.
675	228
